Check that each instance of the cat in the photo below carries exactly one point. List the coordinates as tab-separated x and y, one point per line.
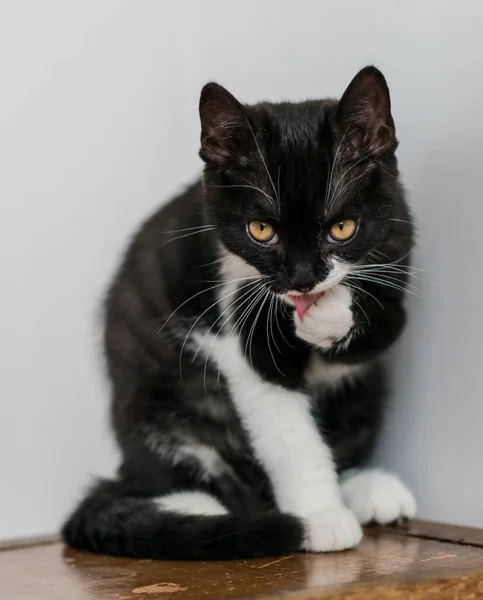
244	334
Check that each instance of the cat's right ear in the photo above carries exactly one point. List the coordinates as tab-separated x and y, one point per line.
364	113
226	135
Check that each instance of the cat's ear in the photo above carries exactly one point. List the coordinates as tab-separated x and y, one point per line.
364	113
225	130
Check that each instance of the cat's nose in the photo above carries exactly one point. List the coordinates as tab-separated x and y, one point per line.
303	278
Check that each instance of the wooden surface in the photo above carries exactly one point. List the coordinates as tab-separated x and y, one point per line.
420	560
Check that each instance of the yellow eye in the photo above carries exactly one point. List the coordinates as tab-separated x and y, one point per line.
343	230
262	232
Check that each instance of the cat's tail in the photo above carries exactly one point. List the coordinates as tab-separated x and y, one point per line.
111	522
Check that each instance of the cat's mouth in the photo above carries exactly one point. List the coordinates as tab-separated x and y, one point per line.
303	302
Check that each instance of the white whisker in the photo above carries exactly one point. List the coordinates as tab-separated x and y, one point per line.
269	321
252	187
356	288
190	228
263	160
389	284
332	168
198	294
202	314
361	291
250	291
333	196
279	302
180	237
256	292
254	324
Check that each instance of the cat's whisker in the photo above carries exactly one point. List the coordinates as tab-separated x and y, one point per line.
274	202
279	302
253	292
359	290
340	195
333	196
401	221
333	166
397	261
245	314
180	237
389	284
269	322
250	291
258	276
250	295
278	183
395	265
263	160
271	317
392	271
252	187
198	294
397	281
375	253
362	291
254	324
242	320
207	225
218	301
407	269
213	262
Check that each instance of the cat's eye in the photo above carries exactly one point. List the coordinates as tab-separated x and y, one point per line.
262	232
343	230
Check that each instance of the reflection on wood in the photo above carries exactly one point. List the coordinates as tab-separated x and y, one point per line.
419	560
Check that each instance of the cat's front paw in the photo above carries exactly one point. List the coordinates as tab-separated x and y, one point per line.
328	320
375	496
332	529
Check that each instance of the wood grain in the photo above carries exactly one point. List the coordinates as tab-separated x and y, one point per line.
390	563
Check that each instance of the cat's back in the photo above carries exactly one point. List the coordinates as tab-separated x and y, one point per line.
163	265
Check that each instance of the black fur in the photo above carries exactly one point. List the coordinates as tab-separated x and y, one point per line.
169	278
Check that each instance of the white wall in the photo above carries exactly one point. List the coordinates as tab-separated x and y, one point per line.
99	124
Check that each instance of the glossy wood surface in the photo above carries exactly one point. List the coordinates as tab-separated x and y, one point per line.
420	560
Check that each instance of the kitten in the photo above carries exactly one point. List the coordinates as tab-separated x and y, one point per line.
244	332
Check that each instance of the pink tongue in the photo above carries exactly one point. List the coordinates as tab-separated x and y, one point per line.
304	302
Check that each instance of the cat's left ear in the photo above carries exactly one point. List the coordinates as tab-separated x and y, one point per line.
226	136
364	113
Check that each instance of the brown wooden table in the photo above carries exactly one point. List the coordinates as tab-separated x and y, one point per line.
420	560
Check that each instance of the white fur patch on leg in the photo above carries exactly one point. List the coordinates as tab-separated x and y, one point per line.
191	503
286	441
374	495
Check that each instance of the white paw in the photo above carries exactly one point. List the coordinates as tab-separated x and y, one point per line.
328	320
374	495
332	529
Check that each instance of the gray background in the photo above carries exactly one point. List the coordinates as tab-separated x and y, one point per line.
98	109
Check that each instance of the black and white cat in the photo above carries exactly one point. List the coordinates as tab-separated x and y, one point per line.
244	332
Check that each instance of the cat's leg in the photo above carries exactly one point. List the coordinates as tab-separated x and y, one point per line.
286	441
376	496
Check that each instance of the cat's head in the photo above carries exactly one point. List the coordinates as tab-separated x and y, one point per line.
301	191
